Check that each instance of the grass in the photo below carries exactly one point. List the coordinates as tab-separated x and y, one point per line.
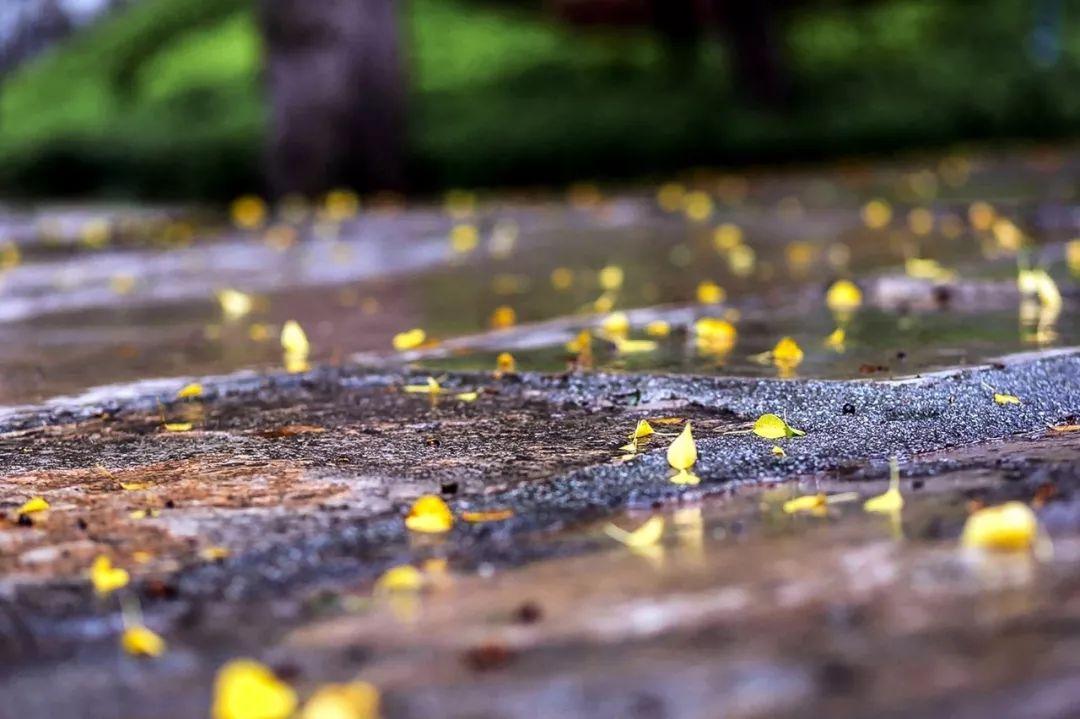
165	99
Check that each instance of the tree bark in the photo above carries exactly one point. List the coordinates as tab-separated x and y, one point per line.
337	95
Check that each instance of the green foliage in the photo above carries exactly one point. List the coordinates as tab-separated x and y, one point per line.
165	99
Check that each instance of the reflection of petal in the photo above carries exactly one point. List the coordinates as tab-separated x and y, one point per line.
654	553
684	477
405	606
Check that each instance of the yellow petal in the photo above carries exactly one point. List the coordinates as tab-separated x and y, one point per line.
190	390
771	426
234	304
682	453
505	364
138	641
876	214
430	386
646	535
105	577
658	328
215	553
787	352
1006	398
410	339
356	700
891	500
293	339
611	278
177	426
684	477
643	429
836	339
617	324
134	486
581	343
504	316
778	451
467	396
430	514
806	503
626	347
32	506
464	238
710	293
562	278
487	515
1007	527
713	333
248	211
246	689
403	578
843	295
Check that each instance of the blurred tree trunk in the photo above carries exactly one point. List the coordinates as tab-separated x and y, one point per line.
337	95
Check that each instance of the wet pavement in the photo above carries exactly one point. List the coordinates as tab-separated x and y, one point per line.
255	518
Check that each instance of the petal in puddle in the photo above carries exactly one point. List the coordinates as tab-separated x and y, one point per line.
646	535
682	453
891	500
843	296
403	578
105	577
430	386
1007	527
410	339
770	426
355	700
246	689
430	514
138	641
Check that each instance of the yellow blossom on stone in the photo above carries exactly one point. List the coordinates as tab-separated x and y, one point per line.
355	700
709	293
402	578
410	339
504	316
33	506
770	426
234	303
1006	398
1007	527
843	296
891	500
177	426
646	535
105	577
643	429
430	514
246	689
682	453
138	641
190	391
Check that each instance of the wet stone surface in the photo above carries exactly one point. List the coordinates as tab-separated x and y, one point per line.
261	530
